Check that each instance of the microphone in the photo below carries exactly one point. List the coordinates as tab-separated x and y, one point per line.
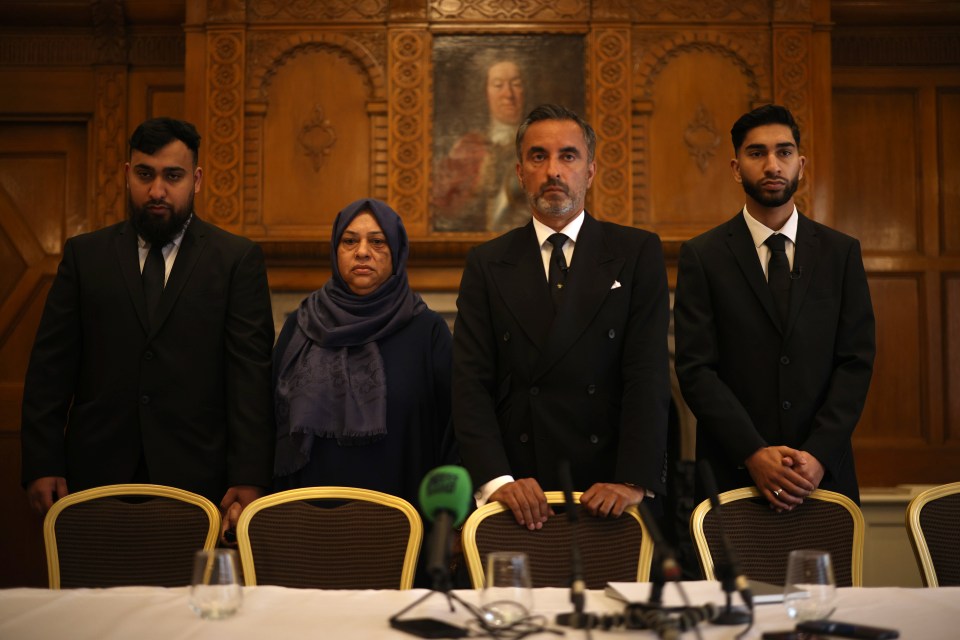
578	586
669	569
445	494
733	577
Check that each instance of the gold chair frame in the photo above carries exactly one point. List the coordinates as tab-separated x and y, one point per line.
116	490
472	552
917	539
703	548
331	493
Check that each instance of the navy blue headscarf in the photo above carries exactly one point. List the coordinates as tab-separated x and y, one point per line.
330	378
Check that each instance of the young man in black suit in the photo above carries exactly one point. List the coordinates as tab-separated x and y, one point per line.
152	359
560	350
774	330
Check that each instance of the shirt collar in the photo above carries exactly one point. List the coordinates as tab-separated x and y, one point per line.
572	230
761	232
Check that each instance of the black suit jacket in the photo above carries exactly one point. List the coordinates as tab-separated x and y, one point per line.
590	386
752	383
193	394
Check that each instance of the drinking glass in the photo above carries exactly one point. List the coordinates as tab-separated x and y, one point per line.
810	590
215	592
507	595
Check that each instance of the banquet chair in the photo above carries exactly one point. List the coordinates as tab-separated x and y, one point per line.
762	539
612	549
933	523
127	534
330	538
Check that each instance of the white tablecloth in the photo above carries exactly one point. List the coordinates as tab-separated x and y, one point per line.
275	613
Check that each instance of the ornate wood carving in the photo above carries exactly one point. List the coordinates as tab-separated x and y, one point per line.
609	97
791	66
701	137
798	10
109	34
225	58
330	10
29	49
167	49
317	138
698	11
410	68
509	10
928	48
109	132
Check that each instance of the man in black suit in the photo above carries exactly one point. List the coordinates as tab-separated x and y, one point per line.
774	330
152	359
560	348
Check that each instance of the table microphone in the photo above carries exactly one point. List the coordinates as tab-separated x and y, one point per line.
445	494
739	581
669	570
578	586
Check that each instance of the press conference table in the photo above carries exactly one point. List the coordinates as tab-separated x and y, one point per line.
146	613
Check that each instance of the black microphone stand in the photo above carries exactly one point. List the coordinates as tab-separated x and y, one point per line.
577	584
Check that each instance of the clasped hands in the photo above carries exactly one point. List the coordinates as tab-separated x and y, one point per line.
785	476
526	500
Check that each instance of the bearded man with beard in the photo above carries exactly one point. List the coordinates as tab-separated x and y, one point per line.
560	343
774	330
152	359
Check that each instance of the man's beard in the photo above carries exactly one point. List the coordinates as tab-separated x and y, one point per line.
551	207
157	229
771	199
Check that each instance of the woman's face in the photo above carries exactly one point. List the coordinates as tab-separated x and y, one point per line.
363	255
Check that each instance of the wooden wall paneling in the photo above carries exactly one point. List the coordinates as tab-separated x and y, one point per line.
316	142
44	198
695	84
948	162
877	167
154	93
408	111
951	367
608	97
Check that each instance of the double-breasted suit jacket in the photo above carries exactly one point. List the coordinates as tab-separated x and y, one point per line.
753	383
191	393
588	384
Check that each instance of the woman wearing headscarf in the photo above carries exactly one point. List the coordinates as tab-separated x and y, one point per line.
362	369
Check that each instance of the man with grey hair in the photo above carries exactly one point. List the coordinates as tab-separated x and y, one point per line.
560	343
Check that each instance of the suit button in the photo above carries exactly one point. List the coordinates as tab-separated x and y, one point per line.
594	439
534	391
786	405
612	334
144	399
506	336
784	360
591	389
524	438
148	355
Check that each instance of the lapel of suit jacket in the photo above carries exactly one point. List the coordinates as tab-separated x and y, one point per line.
593	271
741	244
522	283
191	246
128	255
804	263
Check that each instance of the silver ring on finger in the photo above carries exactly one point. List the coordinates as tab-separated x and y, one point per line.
776	494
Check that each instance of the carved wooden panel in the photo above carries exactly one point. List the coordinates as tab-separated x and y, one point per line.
793	77
877	174
110	143
609	93
327	11
690	87
224	127
951	351
508	10
894	411
408	111
948	153
44	198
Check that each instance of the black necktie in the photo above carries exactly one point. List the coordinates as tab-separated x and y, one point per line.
152	276
778	275
558	268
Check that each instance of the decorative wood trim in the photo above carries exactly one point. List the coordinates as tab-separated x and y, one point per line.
891	49
109	144
326	11
791	69
225	118
687	11
609	106
408	113
509	10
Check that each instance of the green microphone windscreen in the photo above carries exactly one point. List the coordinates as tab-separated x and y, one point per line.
446	488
